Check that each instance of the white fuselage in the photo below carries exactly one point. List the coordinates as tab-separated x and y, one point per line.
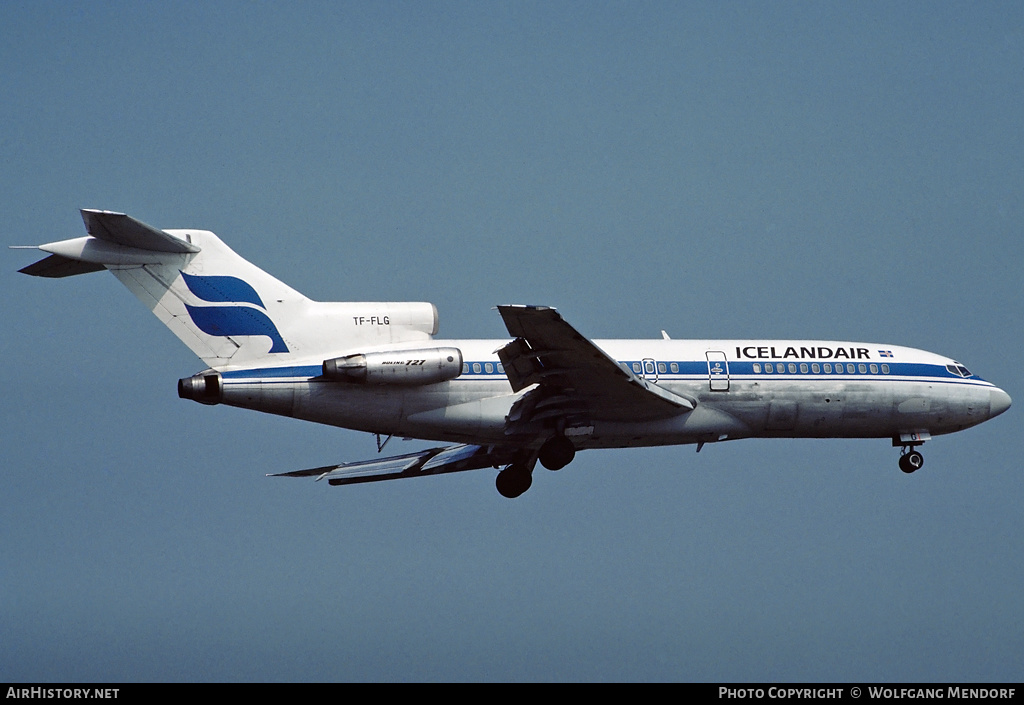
742	389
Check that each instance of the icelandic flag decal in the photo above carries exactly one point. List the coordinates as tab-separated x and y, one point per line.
885	353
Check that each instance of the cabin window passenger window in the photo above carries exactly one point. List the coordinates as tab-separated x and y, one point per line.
792	368
874	368
862	368
476	367
661	368
501	368
488	368
674	367
828	368
803	368
757	368
636	367
885	369
815	368
768	367
465	368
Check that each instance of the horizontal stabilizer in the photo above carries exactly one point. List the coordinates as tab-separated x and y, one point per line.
124	230
115	239
56	266
435	461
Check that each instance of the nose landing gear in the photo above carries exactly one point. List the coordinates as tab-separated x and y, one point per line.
910	460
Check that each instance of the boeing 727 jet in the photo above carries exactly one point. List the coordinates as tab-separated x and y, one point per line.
541	395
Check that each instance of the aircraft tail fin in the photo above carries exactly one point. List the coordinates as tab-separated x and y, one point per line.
228	311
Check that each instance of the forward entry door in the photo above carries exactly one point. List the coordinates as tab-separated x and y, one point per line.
718	371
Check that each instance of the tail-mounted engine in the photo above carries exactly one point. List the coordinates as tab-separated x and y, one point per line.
405	367
204	388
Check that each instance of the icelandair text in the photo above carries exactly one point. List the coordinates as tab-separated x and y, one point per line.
820	352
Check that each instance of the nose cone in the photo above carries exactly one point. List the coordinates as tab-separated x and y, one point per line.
1000	402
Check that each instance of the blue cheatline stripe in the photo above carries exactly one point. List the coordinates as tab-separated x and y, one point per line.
236	320
222	289
698	369
689	371
269	372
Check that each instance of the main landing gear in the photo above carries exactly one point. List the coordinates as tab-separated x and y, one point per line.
514	480
910	460
557	452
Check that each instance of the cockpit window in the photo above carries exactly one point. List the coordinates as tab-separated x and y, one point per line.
959	370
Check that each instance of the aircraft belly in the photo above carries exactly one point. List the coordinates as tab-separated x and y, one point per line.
706	423
474	420
821	410
445	412
373	408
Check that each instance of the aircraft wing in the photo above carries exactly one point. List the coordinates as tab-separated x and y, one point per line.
435	461
574	376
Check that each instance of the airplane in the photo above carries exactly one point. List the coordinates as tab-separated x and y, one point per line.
541	395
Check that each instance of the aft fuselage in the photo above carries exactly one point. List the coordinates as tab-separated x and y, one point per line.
742	389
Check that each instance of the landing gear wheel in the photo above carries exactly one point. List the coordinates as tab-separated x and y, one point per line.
909	462
513	481
556	453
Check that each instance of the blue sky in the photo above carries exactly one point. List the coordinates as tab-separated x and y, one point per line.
793	170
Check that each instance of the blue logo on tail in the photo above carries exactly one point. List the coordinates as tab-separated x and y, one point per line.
231	320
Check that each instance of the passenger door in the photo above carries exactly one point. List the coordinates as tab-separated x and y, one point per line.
718	371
